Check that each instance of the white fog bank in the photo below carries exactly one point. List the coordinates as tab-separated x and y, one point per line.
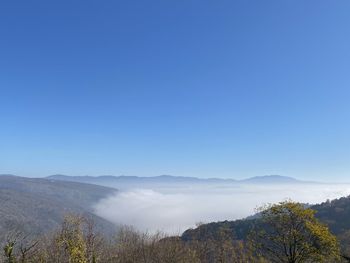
173	210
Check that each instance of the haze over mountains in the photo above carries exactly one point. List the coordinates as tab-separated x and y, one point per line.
126	182
168	203
174	203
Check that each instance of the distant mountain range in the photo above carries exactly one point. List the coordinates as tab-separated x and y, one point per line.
121	182
37	206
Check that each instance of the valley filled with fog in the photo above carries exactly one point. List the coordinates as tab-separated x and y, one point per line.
175	208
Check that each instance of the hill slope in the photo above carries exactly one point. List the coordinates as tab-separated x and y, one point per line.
38	205
335	214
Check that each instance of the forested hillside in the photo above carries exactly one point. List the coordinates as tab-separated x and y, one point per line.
36	206
286	232
335	214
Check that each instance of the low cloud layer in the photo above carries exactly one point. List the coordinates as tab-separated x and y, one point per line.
173	210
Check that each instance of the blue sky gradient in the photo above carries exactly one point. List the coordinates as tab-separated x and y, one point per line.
190	88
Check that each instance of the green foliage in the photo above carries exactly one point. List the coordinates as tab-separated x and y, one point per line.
72	239
290	233
8	250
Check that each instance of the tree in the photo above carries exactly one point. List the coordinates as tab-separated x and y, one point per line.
8	250
27	248
221	246
19	248
72	239
290	233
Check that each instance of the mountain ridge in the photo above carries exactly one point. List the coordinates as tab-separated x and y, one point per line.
171	178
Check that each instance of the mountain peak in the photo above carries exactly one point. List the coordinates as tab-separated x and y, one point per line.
271	179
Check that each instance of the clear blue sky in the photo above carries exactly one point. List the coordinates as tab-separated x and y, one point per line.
190	88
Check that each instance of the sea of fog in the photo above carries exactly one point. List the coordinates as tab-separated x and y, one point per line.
175	209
